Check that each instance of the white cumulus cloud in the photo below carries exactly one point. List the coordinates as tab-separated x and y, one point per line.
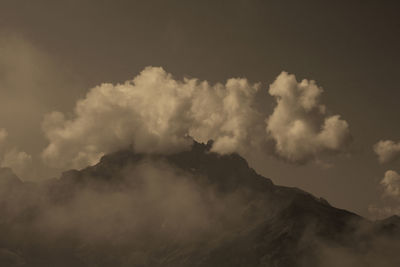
390	202
391	183
387	150
156	113
299	125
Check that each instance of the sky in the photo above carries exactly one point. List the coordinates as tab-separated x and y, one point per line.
54	53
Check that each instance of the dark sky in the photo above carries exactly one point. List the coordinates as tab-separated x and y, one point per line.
52	52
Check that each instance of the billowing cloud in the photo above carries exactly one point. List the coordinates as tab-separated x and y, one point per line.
387	150
391	183
17	160
390	202
156	113
299	125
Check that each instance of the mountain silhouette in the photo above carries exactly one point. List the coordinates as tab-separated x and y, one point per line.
193	208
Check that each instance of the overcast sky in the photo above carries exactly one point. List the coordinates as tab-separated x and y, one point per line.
53	52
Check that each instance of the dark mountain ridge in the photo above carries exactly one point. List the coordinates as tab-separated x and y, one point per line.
193	208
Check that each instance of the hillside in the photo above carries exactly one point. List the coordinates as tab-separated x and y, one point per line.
193	208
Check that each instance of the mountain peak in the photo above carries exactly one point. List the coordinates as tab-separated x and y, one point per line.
192	208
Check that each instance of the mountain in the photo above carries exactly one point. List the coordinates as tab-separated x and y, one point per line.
193	208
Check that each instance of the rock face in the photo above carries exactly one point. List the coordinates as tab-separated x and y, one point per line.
193	208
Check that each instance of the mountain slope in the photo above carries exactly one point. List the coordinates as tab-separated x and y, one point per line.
193	208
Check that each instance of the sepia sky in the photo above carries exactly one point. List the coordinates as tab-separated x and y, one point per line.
53	52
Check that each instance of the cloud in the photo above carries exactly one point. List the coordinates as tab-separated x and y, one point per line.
17	160
156	113
390	202
391	184
299	125
31	85
387	150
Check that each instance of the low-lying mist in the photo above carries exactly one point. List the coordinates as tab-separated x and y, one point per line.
157	213
153	208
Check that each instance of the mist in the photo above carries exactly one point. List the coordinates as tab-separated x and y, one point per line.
154	212
154	207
